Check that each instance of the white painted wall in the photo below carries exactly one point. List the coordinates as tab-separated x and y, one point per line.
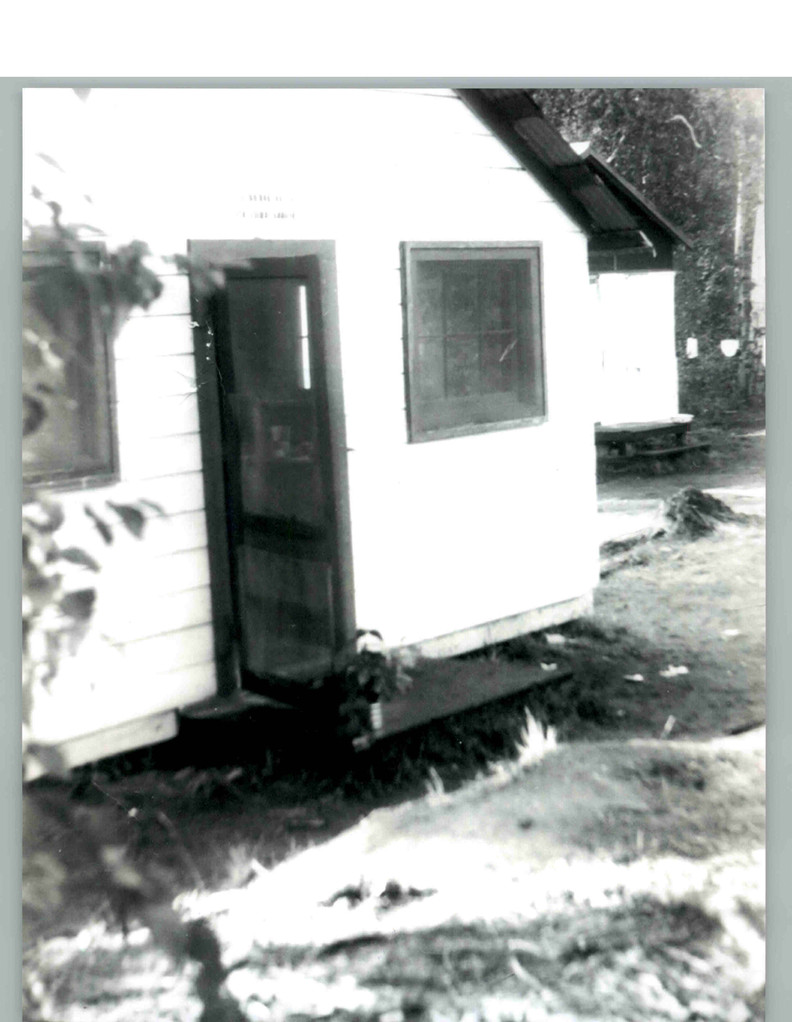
150	647
633	334
447	534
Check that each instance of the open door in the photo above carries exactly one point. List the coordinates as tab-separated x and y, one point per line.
277	502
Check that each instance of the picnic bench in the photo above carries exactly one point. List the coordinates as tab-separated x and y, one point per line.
658	440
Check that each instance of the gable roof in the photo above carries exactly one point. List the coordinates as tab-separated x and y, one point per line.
629	195
602	203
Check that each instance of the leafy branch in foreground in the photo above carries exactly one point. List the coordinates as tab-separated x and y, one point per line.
59	594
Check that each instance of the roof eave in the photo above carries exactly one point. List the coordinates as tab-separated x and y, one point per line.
621	184
519	149
619	241
563	173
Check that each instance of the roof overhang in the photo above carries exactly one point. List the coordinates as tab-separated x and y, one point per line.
630	194
606	207
515	119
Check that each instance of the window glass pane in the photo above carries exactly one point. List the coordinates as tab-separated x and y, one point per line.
271	398
462	365
461	298
267	318
305	341
499	362
430	366
475	338
287	609
74	440
428	298
497	288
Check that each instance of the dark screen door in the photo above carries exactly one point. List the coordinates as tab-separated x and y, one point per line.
277	455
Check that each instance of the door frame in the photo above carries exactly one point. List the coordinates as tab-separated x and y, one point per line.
326	370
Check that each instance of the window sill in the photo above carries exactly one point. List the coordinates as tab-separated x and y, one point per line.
49	485
450	432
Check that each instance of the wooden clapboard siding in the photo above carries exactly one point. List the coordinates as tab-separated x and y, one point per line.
158	417
151	647
154	336
163	456
193	679
76	707
160	615
110	740
164	535
174	493
177	572
159	654
145	379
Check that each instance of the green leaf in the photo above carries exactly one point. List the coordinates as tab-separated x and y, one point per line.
158	508
79	605
50	161
104	529
132	517
77	556
44	516
34	412
41	589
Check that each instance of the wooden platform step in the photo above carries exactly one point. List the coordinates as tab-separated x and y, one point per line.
636	432
442	688
241	701
671	452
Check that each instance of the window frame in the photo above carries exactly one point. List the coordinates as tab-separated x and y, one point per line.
533	342
107	470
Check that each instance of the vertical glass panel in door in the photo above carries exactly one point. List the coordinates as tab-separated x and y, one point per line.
283	559
274	403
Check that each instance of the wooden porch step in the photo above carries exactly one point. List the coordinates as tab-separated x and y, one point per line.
671	452
442	688
220	707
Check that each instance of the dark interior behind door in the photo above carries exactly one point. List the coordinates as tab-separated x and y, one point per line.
279	453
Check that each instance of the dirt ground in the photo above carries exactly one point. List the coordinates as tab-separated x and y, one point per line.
605	865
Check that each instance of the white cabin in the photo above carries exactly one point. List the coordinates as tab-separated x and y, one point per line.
384	420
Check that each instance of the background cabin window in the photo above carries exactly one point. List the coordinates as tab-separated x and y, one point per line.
75	441
474	338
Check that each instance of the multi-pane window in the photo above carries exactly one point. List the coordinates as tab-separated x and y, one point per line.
68	374
474	338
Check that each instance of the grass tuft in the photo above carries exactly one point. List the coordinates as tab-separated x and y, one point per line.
435	788
535	742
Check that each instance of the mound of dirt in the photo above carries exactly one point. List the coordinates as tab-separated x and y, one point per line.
692	513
